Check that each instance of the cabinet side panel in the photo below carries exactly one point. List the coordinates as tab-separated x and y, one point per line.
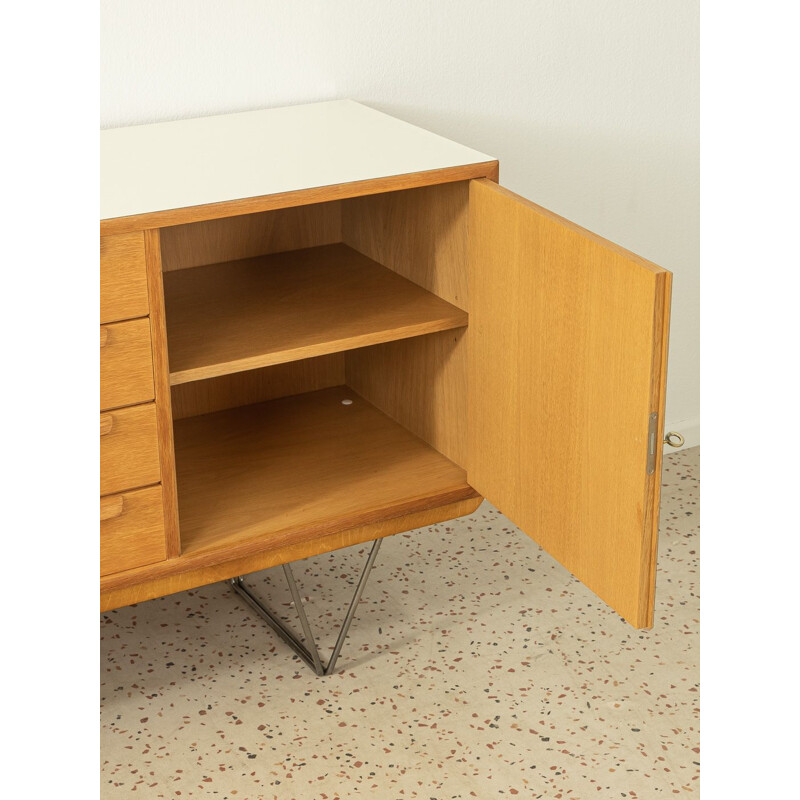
422	235
166	447
257	386
422	384
419	233
250	235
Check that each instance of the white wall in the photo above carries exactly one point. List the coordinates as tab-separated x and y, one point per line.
590	105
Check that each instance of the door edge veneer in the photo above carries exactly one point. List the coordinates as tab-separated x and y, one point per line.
661	319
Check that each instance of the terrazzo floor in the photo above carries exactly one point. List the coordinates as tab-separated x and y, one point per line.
476	667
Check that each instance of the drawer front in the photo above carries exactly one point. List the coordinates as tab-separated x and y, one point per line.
123	279
126	364
128	449
131	530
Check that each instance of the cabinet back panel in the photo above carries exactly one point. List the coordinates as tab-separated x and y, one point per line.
250	235
257	386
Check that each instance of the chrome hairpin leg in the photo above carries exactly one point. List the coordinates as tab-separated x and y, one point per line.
308	651
309	654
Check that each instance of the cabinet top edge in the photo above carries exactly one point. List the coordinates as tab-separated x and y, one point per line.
320	194
170	168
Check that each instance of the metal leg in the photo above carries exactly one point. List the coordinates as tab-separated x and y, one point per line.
308	652
362	582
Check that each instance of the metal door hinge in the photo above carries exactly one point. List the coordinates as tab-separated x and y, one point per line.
652	440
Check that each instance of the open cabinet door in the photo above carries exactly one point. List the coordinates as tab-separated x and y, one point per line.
567	366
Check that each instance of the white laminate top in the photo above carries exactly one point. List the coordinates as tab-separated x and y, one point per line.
149	168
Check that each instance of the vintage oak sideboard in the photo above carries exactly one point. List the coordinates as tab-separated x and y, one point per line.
321	325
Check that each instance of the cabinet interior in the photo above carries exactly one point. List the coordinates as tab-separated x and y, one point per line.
318	365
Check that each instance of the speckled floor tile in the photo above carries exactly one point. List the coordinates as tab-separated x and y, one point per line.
476	667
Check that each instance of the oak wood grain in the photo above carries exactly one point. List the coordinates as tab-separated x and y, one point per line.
166	447
422	384
270	475
111	507
256	312
234	238
421	234
131	530
126	364
123	282
257	385
565	368
128	449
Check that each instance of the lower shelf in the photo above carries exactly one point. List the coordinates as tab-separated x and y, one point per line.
300	467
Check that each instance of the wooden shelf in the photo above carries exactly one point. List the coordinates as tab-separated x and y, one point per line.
277	473
252	313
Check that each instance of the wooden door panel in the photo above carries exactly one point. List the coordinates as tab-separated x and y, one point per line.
567	362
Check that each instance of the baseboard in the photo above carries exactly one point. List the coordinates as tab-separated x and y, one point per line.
689	429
